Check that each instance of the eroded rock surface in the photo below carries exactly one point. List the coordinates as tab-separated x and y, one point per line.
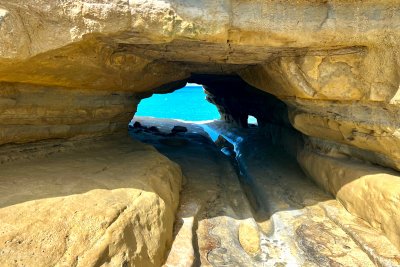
339	88
111	203
32	113
78	68
272	215
305	50
366	190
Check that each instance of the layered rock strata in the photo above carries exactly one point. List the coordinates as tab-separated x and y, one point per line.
77	68
31	113
366	190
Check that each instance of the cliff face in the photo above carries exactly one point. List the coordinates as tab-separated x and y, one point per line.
79	68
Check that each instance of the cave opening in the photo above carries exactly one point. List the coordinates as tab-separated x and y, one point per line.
207	97
316	182
252	121
188	103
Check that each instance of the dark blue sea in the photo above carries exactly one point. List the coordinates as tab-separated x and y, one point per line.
188	103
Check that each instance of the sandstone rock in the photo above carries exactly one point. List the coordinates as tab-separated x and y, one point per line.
249	238
78	68
301	225
370	192
112	203
30	113
137	47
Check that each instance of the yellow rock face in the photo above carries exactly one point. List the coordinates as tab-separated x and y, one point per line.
372	193
31	113
113	204
249	238
303	55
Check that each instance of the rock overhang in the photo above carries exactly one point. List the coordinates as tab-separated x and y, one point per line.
117	38
329	69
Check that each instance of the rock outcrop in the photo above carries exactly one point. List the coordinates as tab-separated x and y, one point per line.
31	112
109	203
78	68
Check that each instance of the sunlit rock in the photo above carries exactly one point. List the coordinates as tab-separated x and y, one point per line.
112	202
322	78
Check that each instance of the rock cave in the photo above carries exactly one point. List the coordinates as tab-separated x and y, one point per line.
316	183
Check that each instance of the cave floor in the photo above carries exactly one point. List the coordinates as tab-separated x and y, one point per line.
257	209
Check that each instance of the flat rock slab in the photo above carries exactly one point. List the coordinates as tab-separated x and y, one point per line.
110	203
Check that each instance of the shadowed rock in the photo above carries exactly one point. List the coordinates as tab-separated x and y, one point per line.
179	129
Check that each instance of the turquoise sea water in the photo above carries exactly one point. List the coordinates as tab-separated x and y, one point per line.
188	103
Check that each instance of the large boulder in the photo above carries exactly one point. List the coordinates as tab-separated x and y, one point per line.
113	204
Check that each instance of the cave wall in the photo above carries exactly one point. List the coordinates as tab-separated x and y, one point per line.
347	172
32	113
236	100
350	99
347	108
78	68
314	52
